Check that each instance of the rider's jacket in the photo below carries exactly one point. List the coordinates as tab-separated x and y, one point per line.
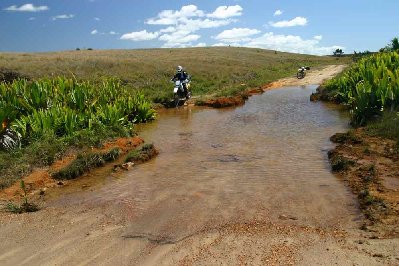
181	76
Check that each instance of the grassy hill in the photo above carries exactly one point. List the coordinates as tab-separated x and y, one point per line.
215	70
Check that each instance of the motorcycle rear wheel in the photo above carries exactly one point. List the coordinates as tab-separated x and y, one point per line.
300	75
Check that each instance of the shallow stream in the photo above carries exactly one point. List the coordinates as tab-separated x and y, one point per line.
264	160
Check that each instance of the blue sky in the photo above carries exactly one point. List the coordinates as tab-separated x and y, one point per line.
310	27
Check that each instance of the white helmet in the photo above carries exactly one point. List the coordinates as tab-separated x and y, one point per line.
179	69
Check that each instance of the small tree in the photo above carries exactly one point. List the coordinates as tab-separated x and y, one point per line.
395	44
392	46
338	52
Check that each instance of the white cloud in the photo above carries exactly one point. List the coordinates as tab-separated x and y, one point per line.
207	23
63	17
290	43
97	19
27	8
181	35
171	17
181	25
219	44
31	18
318	37
236	35
168	29
94	32
278	13
298	21
190	18
223	12
201	44
140	36
178	39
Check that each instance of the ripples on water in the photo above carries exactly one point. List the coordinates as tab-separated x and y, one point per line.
228	164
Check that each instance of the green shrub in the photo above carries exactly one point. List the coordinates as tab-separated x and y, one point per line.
340	163
370	86
386	126
26	206
63	106
146	152
85	162
112	155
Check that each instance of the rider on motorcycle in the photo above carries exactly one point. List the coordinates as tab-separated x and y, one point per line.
182	76
303	68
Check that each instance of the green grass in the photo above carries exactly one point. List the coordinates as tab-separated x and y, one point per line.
340	163
145	153
42	152
215	70
84	162
386	126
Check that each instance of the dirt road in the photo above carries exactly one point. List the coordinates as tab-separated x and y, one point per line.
315	76
253	188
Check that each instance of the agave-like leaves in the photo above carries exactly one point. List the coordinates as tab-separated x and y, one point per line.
63	106
370	85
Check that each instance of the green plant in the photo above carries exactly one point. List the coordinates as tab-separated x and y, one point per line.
82	164
85	162
63	106
25	206
146	152
340	163
369	87
366	150
386	126
112	155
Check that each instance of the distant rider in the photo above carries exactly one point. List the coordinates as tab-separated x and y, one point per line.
303	68
182	76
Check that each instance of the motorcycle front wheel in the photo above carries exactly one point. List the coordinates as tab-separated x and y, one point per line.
176	99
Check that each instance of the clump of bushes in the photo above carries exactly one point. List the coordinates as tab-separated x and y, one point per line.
40	120
85	162
64	106
145	153
340	163
369	87
348	137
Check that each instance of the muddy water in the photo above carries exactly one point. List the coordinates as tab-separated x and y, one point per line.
264	160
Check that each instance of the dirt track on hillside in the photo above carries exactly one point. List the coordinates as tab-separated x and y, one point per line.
69	232
315	76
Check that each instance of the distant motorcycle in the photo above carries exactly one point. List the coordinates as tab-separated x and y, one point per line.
9	139
302	72
178	91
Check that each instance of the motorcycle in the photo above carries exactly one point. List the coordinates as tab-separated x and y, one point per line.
302	72
9	139
178	91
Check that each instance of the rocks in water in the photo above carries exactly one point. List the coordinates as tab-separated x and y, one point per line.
127	166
